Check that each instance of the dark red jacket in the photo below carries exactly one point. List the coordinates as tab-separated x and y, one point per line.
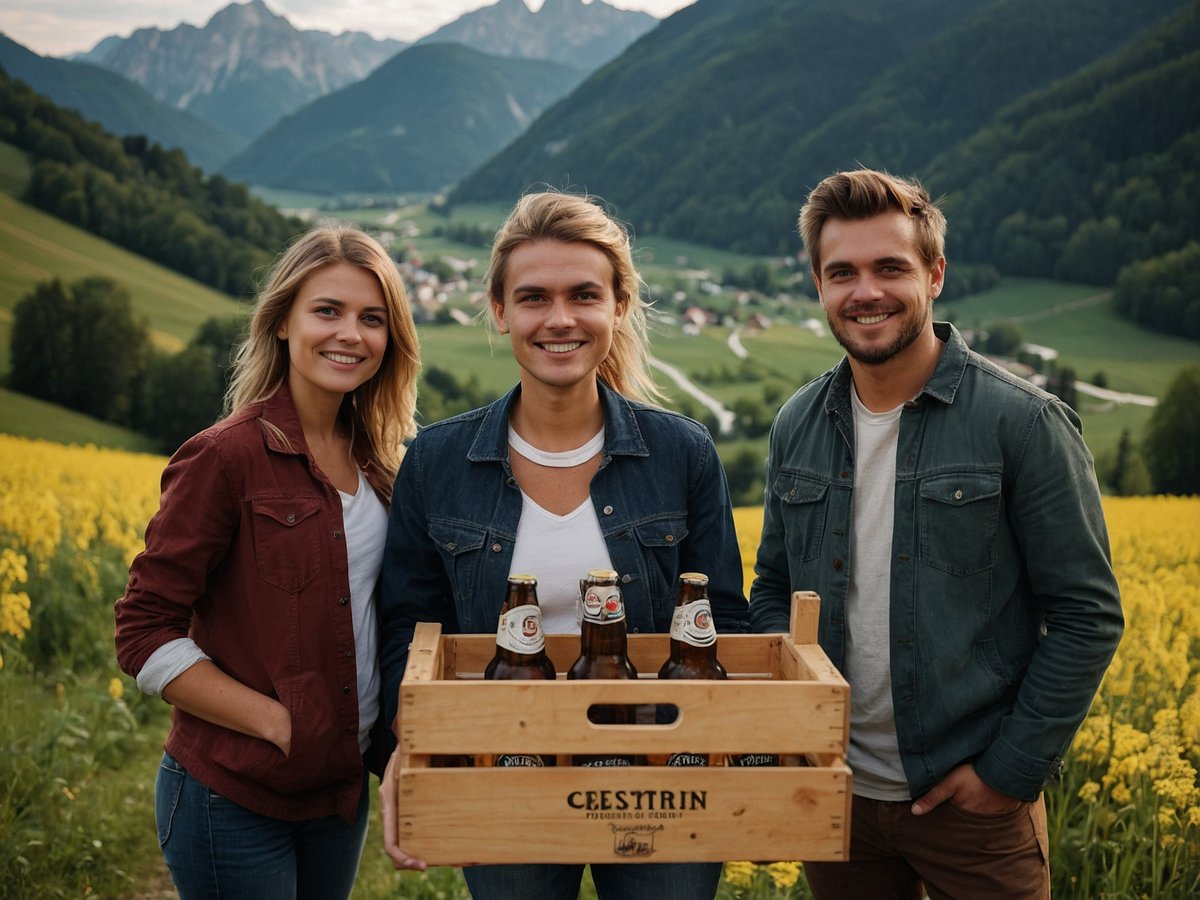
247	555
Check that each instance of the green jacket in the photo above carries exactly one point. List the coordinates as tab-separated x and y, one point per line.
1004	608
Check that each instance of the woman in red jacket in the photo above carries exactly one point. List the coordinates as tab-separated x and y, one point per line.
251	609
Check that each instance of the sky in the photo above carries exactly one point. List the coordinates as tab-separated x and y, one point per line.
61	27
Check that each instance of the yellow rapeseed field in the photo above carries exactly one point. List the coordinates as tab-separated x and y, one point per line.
1131	773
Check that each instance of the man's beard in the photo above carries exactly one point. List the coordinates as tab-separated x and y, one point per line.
871	354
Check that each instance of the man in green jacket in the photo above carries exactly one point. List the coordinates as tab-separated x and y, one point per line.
947	513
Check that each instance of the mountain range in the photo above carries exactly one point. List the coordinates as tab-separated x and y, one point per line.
420	122
245	69
214	90
583	36
116	103
715	125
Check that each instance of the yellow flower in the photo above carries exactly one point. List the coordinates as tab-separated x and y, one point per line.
1089	792
116	690
784	874
740	874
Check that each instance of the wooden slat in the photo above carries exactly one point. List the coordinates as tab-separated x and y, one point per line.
629	815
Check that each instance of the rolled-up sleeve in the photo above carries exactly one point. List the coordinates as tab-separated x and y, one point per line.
186	539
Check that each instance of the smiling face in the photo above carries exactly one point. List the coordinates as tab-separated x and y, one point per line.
561	310
875	286
337	333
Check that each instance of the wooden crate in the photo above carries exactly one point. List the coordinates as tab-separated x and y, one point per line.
783	696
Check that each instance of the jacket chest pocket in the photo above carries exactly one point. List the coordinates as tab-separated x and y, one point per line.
959	514
459	545
287	541
802	506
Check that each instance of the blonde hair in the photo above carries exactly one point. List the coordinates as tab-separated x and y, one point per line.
863	194
551	215
382	410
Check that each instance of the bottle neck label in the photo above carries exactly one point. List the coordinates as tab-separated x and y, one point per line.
692	624
520	630
603	604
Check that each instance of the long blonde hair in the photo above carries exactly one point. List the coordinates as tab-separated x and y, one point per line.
382	410
574	217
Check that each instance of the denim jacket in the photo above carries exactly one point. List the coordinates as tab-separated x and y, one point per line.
660	496
1004	608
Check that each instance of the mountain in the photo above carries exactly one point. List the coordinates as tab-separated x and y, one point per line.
577	34
119	105
714	125
418	123
246	68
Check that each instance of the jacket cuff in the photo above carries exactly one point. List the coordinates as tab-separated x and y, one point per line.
1010	770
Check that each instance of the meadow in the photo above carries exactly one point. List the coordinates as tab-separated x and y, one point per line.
81	745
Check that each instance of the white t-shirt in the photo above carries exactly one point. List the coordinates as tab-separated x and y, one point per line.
874	755
558	551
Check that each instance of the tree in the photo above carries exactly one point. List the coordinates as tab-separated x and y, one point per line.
1123	470
80	346
1004	339
1173	436
182	396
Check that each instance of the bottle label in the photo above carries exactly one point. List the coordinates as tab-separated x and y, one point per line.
513	760
602	604
604	762
520	630
687	759
692	624
747	760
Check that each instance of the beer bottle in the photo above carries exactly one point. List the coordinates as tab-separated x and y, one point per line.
520	652
693	647
603	645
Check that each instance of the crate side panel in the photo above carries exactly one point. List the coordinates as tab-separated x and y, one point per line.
452	817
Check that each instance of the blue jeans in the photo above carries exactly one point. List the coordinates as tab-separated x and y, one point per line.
217	849
614	881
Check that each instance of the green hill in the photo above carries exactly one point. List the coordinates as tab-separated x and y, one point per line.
754	102
36	247
118	104
417	123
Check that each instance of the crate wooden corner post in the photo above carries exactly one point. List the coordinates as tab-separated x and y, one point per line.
781	698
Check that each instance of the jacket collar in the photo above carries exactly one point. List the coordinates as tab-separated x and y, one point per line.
622	435
942	385
279	411
287	436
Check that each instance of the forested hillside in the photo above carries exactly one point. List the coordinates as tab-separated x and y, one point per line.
138	195
419	122
117	104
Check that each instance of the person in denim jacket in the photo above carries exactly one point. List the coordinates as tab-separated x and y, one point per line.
947	514
570	471
252	608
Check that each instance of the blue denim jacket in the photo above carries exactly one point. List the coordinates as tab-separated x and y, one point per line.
1004	608
660	496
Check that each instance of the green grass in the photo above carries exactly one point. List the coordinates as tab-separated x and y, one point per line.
1079	322
26	417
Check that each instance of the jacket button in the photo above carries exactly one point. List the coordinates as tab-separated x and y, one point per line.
958	495
608	510
345	689
342	601
837	565
337	535
625	579
496	548
291	518
670	539
348	653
